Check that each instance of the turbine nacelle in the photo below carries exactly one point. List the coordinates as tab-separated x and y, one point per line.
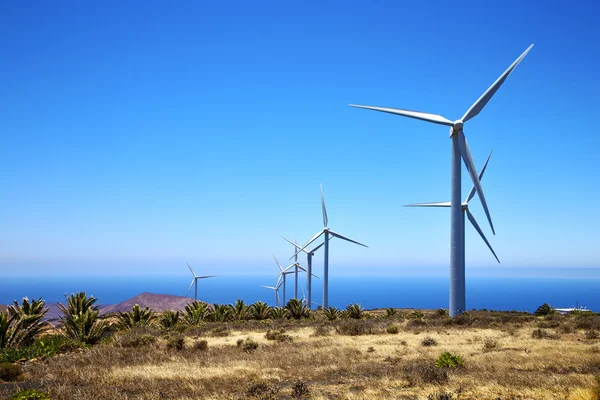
457	125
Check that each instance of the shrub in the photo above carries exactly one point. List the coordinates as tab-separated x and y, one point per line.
332	313
591	334
278	335
201	345
351	329
9	372
80	318
30	394
392	329
261	389
449	360
545	309
21	323
442	312
176	342
137	316
354	311
137	340
220	313
371	349
240	311
300	390
490	345
417	315
247	345
45	346
428	342
543	334
390	312
239	342
221	331
322	330
422	372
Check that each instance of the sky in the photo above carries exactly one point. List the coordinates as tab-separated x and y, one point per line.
136	136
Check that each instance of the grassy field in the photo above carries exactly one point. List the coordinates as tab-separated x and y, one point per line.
506	356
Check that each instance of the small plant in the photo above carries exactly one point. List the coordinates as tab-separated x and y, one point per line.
221	331
279	312
371	349
332	313
278	335
195	313
297	309
442	312
263	390
137	316
390	312
417	315
392	329
449	360
169	319
260	311
176	343
355	311
239	342
248	345
540	333
48	345
135	340
490	344
21	323
428	342
80	318
30	394
240	311
422	372
9	372
545	309
201	345
300	390
220	313
322	330
592	334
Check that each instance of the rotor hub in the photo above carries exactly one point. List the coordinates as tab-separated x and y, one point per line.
457	125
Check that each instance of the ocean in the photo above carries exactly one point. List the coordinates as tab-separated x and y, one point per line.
431	292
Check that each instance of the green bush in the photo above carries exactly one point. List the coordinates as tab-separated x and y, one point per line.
80	318
322	330
46	346
247	345
392	329
169	319
449	360
428	342
442	312
278	335
137	340
355	311
137	316
279	312
297	309
260	311
9	372
545	309
21	323
30	394
390	312
418	315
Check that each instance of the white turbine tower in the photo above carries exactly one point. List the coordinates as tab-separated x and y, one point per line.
309	256
460	149
195	282
327	232
283	272
465	210
276	290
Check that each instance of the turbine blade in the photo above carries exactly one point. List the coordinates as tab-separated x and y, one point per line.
483	100
207	276
465	152
292	243
190	288
472	192
279	265
315	276
325	220
310	241
317	248
298	248
269	287
435	118
191	269
439	204
478	229
337	235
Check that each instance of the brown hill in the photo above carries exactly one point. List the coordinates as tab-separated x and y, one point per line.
156	302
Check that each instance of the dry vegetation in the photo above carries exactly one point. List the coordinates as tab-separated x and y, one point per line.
506	356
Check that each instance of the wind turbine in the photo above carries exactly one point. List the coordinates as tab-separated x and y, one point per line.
295	256
460	149
309	256
276	290
195	282
465	210
286	271
326	231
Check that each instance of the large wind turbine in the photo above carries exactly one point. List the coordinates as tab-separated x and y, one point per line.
465	210
460	149
282	274
195	282
309	256
276	290
326	231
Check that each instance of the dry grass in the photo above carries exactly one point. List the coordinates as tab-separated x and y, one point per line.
502	359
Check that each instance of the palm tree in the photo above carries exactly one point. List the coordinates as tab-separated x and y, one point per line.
545	309
332	313
279	312
137	316
355	311
80	318
297	309
260	310
169	319
220	313
21	323
240	310
195	313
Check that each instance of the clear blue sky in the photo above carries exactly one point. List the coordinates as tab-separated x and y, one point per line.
138	135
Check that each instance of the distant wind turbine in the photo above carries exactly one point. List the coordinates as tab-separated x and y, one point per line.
465	210
460	149
326	231
276	290
283	272
195	282
309	256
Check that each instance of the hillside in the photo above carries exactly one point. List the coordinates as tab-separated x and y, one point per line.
156	302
